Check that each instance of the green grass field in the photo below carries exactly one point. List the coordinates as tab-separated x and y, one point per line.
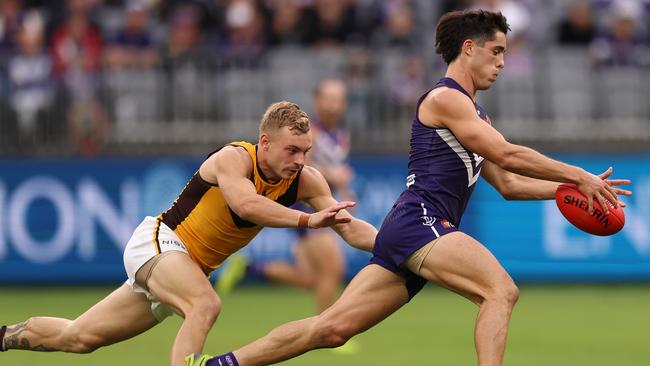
552	325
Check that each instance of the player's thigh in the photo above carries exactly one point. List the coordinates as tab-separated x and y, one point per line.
462	264
179	282
372	295
324	253
121	315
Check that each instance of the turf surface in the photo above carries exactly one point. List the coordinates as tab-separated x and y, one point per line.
552	325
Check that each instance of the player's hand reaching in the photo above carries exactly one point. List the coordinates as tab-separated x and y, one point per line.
328	216
616	182
593	186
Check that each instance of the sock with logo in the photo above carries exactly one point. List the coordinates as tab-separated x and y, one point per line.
224	360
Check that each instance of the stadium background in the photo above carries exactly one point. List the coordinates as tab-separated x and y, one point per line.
107	107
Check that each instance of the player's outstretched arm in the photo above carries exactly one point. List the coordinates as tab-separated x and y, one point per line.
314	190
231	167
456	112
518	187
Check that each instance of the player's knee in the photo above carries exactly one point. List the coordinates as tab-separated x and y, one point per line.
206	308
511	293
506	292
333	333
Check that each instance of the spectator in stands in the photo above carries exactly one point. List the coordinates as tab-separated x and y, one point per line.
187	64
243	40
10	15
77	56
285	27
29	73
356	74
405	87
577	27
10	19
623	44
399	25
329	23
133	46
184	46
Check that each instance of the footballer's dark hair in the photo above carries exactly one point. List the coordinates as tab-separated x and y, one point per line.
455	27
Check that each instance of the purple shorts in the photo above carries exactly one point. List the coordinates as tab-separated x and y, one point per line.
408	227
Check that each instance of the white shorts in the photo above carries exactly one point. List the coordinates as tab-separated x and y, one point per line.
150	238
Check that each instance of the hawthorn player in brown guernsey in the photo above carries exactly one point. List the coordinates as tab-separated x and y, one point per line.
209	228
237	191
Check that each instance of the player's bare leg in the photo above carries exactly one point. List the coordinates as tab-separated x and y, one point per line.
319	267
371	296
299	274
177	281
326	258
461	264
121	315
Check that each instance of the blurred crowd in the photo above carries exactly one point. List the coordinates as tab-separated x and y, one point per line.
60	59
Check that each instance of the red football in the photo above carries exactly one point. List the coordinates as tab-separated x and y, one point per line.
573	206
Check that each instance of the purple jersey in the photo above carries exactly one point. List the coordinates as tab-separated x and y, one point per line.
442	175
442	172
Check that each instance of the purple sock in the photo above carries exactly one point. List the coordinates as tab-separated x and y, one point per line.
224	360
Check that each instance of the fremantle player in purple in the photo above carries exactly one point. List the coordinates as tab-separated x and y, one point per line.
452	143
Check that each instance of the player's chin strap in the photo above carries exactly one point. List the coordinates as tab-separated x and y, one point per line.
3	330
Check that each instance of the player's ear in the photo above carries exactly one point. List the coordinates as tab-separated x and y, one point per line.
265	141
468	47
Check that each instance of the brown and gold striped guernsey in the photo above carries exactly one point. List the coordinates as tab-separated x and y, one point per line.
210	230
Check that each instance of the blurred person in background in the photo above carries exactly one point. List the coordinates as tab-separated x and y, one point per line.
133	46
285	25
452	144
32	90
319	263
398	28
243	39
11	13
77	56
577	28
356	73
329	23
237	191
10	20
186	63
405	85
623	43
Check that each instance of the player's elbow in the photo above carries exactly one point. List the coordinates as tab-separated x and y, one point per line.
506	158
244	208
511	188
508	190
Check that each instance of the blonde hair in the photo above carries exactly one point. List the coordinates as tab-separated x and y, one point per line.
283	114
